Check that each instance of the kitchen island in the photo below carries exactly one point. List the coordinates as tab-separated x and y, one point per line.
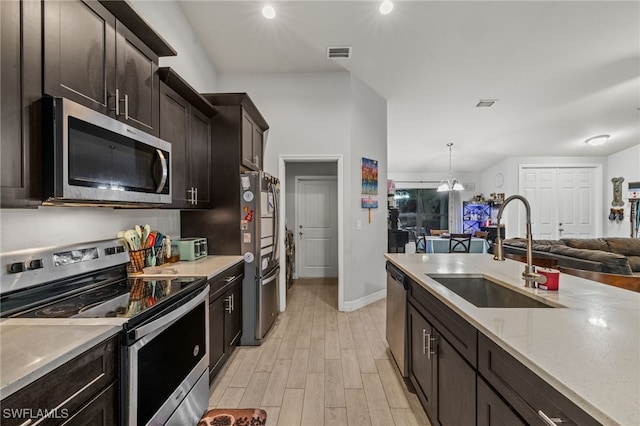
587	348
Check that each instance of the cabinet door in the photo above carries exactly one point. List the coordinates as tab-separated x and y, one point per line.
137	81
216	336
70	386
79	53
199	145
257	147
492	410
100	411
174	128
456	387
233	321
247	141
422	364
20	85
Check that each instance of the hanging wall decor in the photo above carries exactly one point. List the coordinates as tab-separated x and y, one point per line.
369	176
617	192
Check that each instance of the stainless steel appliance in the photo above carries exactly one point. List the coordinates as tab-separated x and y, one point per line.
91	158
397	288
165	322
191	248
259	213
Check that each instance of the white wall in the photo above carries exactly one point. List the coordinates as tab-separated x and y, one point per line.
167	18
626	164
53	226
365	274
329	114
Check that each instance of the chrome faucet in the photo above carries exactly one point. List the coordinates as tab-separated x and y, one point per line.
529	275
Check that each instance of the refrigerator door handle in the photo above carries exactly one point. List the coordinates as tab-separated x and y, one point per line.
271	278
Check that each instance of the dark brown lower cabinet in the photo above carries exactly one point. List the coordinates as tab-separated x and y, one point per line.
462	377
81	391
225	316
492	410
444	381
100	411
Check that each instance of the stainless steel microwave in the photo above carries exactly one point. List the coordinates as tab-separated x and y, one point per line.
91	158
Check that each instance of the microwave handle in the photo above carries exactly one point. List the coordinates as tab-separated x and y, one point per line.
165	171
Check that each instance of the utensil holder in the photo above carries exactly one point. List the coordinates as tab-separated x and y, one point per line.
137	261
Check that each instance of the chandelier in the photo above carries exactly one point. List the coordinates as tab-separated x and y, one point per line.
451	184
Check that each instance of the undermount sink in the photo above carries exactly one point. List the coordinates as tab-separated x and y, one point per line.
484	293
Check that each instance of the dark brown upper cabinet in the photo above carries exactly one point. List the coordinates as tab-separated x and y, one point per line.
239	127
20	85
94	55
185	122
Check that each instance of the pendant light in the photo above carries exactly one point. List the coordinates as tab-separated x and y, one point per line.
451	184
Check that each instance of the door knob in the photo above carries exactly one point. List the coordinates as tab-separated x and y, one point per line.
300	233
561	229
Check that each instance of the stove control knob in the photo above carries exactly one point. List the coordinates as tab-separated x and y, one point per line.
15	268
109	251
36	264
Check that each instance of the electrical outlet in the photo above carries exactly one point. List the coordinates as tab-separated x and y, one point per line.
358	224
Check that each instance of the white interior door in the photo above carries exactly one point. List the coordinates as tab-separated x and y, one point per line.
563	201
316	229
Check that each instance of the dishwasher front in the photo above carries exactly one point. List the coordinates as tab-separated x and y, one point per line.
397	287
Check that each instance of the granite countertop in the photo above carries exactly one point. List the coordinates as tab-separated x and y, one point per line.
209	267
31	348
589	350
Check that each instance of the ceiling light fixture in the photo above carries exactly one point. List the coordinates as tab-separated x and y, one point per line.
451	184
268	12
597	140
386	7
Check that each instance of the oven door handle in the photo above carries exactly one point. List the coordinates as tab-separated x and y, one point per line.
170	318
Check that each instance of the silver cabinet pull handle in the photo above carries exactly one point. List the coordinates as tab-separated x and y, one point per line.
165	171
551	421
196	201
117	104
429	340
228	304
233	302
424	341
126	107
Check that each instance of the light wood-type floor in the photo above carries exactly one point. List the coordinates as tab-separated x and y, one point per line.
319	366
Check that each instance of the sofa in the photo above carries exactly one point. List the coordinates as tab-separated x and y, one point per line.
610	255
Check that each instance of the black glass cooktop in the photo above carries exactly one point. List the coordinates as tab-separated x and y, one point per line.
101	295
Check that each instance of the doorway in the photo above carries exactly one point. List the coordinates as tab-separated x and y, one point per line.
565	200
316	227
312	170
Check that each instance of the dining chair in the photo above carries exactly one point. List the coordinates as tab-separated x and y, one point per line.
459	243
421	243
434	232
628	282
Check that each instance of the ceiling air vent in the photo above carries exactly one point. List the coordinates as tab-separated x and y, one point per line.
486	102
339	52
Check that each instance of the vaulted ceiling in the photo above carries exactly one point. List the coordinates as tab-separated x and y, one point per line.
561	71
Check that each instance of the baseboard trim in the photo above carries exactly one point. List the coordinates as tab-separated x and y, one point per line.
352	305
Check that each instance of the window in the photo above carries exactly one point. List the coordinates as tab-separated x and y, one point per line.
422	210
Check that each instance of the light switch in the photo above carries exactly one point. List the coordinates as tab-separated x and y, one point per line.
358	224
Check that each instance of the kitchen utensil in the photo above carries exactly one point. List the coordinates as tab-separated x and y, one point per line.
132	238
138	230
167	246
150	241
145	234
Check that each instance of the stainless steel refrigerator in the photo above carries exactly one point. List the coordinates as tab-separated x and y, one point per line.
259	212
243	221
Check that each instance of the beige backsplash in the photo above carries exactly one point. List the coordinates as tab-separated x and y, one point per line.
47	226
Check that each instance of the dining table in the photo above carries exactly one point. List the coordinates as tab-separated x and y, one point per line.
437	244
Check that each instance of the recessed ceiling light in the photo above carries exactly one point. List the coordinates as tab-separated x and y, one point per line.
268	12
486	102
597	140
386	7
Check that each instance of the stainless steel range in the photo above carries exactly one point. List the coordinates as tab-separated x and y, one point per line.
165	326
